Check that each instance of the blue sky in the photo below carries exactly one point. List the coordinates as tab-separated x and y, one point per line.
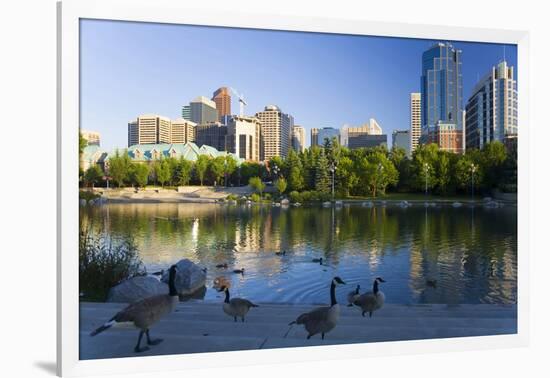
323	80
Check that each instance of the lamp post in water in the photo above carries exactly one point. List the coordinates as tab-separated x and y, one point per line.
426	169
473	168
333	171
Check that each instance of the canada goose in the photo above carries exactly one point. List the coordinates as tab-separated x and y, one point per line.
353	295
235	307
222	266
431	283
280	253
318	260
145	313
239	271
372	300
322	319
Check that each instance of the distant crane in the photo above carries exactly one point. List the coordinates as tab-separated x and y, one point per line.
242	102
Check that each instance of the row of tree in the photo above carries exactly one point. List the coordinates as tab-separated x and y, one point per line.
322	169
373	171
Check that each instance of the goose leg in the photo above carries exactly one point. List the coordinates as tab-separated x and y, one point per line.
235	318
322	336
308	337
152	342
242	319
370	314
138	348
363	314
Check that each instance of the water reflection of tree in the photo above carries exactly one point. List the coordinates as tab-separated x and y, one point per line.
472	253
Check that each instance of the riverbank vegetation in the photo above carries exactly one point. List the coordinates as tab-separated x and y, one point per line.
321	170
102	264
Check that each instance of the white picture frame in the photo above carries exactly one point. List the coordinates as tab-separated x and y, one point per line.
174	11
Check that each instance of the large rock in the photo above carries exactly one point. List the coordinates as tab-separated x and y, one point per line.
136	288
285	202
189	278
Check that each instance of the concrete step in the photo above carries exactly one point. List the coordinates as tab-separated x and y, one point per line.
203	327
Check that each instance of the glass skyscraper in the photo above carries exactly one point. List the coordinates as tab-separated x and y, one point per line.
441	87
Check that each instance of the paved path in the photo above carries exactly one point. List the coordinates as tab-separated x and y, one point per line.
199	326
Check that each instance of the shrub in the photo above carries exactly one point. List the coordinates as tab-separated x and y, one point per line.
255	197
232	197
88	195
295	196
267	196
103	265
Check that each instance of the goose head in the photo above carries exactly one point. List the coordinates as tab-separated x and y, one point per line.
338	281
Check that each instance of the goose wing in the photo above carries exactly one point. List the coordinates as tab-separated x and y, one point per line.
367	300
144	310
242	303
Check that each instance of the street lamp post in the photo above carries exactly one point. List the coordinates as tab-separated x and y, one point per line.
426	169
333	171
380	169
225	170
473	168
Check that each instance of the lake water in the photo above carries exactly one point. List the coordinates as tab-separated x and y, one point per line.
470	252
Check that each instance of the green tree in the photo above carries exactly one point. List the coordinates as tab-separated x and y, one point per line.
201	166
93	175
346	176
119	167
294	171
216	168
230	165
139	174
182	171
493	157
163	171
424	165
466	169
281	185
257	184
377	172
82	143
322	174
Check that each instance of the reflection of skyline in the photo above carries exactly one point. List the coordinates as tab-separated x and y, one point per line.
472	257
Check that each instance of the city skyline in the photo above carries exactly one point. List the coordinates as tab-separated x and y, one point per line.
359	78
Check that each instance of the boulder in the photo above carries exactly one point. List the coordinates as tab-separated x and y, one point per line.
327	204
338	203
368	204
285	202
135	289
457	204
189	278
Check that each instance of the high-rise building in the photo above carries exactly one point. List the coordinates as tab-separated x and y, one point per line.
92	137
186	112
366	136
441	91
244	137
401	139
149	129
298	138
416	121
211	134
276	131
183	131
492	109
447	137
222	98
203	111
324	134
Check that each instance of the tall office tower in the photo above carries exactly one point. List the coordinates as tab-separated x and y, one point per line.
401	139
326	133
186	112
416	121
298	138
492	109
222	98
441	91
276	131
92	137
149	129
244	137
314	136
183	131
212	134
203	111
366	136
